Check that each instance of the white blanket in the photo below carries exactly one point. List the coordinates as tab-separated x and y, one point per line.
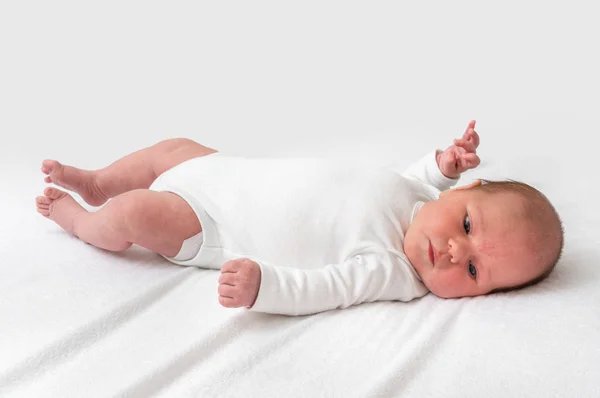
87	85
78	321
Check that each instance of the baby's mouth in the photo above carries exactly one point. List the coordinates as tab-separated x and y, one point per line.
431	255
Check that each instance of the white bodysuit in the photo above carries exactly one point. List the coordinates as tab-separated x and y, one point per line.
326	233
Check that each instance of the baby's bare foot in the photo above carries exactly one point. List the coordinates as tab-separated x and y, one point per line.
81	181
60	207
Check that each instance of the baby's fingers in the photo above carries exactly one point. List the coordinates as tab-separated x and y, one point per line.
228	278
229	302
471	135
227	291
234	265
469	161
470	126
465	144
453	158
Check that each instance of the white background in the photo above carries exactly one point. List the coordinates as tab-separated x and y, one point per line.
87	82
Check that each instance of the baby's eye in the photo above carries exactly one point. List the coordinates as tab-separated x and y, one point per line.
467	224
472	270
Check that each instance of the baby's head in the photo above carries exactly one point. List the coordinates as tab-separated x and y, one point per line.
483	238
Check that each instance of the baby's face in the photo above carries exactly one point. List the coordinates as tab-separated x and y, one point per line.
470	242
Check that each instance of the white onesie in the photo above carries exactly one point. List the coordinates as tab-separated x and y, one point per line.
326	233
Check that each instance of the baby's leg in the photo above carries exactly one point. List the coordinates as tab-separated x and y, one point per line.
134	171
159	221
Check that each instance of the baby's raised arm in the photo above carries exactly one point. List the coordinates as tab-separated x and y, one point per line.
443	168
461	156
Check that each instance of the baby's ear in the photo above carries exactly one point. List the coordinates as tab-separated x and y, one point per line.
474	184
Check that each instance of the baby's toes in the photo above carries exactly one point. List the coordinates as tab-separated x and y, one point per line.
53	193
43	200
53	170
48	166
43	205
44	212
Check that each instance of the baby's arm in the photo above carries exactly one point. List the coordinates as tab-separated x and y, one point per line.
461	156
443	168
367	276
427	171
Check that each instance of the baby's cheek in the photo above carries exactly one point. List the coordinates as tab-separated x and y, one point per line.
436	283
447	283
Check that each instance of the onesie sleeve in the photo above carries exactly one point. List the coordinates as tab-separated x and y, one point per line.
366	276
427	171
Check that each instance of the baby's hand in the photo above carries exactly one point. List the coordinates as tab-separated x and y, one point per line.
461	156
239	283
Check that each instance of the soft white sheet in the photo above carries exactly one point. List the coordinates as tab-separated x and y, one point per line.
77	321
388	82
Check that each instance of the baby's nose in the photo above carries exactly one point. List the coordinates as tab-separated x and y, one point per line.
458	250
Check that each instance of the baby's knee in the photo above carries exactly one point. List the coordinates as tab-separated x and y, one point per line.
130	211
173	144
144	212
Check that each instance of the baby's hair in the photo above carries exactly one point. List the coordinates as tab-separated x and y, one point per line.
542	215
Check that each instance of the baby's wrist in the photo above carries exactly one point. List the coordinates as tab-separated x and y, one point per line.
438	156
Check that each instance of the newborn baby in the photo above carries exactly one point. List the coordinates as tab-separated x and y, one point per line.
300	236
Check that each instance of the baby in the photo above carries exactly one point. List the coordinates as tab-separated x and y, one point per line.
300	236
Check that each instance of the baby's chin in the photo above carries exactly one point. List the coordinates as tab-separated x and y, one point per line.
441	289
445	294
